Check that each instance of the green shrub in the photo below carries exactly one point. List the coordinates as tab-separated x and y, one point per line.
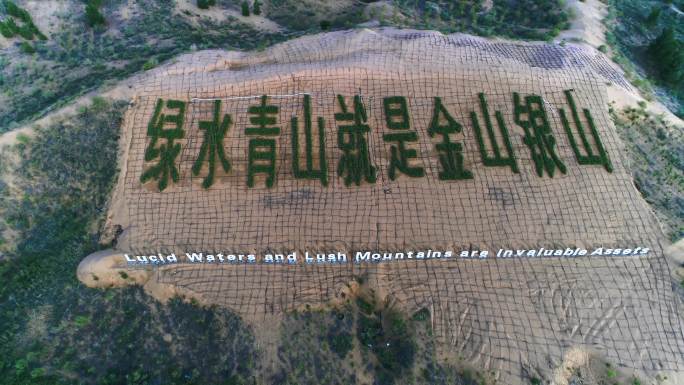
23	139
205	4
14	10
387	335
245	8
81	321
151	63
20	365
652	18
37	372
6	31
365	306
9	27
26	47
341	343
93	15
325	25
257	7
369	330
421	315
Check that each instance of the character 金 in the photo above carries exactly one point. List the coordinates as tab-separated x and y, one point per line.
450	153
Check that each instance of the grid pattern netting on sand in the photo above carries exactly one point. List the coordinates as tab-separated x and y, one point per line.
497	313
501	312
585	206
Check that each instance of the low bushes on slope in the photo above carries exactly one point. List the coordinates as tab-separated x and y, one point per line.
55	330
76	59
518	19
656	151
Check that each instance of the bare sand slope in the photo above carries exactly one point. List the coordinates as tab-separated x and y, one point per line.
518	316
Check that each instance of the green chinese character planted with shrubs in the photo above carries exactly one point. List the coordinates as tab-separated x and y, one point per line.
262	150
355	164
166	152
397	118
538	135
498	158
310	172
450	153
590	156
396	113
212	146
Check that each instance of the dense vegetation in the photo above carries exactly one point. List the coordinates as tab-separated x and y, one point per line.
647	38
667	55
55	330
521	19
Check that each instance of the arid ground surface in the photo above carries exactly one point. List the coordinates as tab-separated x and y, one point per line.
520	317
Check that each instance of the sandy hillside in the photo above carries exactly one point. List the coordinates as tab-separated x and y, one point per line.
517	316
